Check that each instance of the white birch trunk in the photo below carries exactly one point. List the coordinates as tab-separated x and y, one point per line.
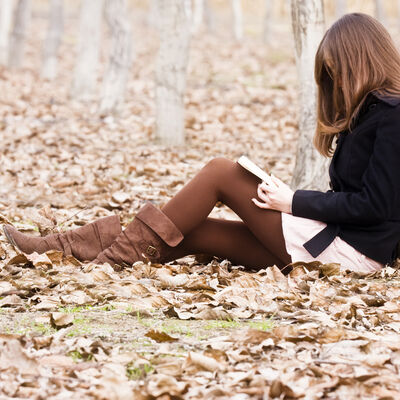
379	11
198	15
6	17
153	14
340	8
53	39
398	13
268	4
209	16
171	71
237	19
87	55
116	77
187	4
19	32
311	169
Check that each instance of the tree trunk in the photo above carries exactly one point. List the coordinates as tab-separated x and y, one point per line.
398	13
153	14
116	77
6	16
311	169
53	39
269	5
187	4
18	35
171	71
237	19
209	16
198	15
379	11
87	55
340	8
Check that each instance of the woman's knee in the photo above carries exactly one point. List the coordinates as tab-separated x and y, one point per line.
220	164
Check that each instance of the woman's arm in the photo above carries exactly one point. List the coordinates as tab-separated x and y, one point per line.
380	195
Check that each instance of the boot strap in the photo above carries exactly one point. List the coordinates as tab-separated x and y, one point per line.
159	223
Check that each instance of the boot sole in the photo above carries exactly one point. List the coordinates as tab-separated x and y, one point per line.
9	237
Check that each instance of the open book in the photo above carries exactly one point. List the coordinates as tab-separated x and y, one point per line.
254	169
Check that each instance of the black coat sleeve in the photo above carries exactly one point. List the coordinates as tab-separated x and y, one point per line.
380	193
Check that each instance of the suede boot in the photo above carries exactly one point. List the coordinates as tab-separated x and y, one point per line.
149	237
84	243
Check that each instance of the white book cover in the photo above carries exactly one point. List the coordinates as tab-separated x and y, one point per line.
254	169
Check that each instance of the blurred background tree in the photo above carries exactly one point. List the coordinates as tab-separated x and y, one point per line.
103	33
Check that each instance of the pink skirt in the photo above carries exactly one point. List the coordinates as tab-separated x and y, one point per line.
297	231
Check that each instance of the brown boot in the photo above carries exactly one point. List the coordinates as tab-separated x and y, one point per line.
84	243
149	237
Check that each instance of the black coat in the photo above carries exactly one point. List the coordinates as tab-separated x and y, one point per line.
363	207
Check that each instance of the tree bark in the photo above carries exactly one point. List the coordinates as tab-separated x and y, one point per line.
269	4
198	15
398	13
237	12
53	39
340	8
87	55
171	71
18	35
379	11
153	14
116	77
6	16
311	169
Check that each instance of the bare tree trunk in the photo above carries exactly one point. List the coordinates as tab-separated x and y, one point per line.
209	16
398	13
116	77
153	14
53	39
379	11
171	71
87	56
311	169
198	15
187	4
18	35
340	8
6	16
269	5
237	19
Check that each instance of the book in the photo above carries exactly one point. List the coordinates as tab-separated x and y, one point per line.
255	169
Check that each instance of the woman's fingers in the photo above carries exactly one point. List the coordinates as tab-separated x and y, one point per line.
259	204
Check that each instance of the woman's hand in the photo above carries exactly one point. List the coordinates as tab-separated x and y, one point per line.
276	196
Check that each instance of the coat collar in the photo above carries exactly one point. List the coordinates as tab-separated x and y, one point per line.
388	99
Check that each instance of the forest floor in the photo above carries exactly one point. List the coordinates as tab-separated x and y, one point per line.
184	330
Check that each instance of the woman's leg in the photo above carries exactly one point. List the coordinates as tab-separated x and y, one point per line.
230	240
226	181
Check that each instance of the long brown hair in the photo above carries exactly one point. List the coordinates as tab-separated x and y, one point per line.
355	57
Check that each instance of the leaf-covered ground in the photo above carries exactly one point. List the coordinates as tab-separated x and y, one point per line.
187	330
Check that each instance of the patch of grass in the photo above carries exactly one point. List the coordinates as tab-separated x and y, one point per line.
222	324
78	356
74	309
135	373
107	307
264	325
81	327
179	327
43	329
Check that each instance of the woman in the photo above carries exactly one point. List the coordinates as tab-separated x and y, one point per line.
356	223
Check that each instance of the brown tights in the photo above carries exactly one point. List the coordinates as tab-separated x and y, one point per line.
255	242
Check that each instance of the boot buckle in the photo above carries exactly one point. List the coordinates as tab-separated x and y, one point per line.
151	251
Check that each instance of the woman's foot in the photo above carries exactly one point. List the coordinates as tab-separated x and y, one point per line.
84	243
149	237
